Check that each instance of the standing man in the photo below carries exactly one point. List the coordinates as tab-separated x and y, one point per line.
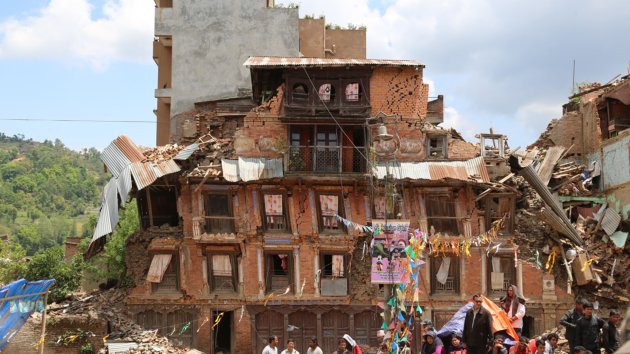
587	329
569	321
610	337
477	327
313	348
272	347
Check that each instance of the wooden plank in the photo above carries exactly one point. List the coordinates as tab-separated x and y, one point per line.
551	158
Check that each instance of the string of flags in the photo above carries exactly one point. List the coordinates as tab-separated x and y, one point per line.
353	225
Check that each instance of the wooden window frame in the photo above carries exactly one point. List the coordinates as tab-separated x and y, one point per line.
508	226
434	266
175	263
230	205
340	212
510	261
268	260
285	210
322	263
444	153
233	262
449	196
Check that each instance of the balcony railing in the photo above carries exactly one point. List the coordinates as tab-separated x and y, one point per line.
276	223
447	287
327	159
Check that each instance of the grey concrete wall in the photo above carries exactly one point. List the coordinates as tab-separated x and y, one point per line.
213	38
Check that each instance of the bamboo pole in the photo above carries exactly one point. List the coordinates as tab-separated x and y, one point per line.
43	336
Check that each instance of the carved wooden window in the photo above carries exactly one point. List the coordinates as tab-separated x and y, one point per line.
353	92
219	214
164	272
501	273
275	211
299	92
328	206
327	92
441	213
444	275
223	272
497	207
279	272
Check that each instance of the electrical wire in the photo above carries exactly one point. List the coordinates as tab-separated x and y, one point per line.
77	120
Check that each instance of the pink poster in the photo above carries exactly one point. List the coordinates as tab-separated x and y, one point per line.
388	252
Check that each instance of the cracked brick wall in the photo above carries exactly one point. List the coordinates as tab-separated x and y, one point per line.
398	91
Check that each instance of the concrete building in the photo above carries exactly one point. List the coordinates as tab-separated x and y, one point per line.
199	48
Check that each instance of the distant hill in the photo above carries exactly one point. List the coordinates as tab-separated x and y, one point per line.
47	191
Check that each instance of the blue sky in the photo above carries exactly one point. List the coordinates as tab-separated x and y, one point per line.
500	64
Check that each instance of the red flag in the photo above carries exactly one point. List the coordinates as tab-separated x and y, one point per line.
500	321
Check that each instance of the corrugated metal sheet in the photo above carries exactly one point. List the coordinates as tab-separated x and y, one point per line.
120	347
14	313
187	152
315	62
125	160
462	170
610	221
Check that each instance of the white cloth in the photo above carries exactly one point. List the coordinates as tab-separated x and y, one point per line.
548	348
442	273
317	350
270	350
520	313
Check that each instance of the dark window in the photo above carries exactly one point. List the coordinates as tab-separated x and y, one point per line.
329	206
275	211
334	279
441	213
501	274
279	272
447	281
157	206
299	92
219	217
437	147
223	272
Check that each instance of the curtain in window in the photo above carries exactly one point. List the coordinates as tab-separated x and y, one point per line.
352	92
442	273
221	265
324	92
337	265
273	204
330	207
158	267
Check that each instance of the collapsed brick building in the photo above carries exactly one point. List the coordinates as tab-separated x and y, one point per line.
243	229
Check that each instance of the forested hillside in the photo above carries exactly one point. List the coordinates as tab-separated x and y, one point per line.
47	191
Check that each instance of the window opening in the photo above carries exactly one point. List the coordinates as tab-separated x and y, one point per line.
219	213
441	213
279	270
445	275
437	147
353	92
223	273
329	206
300	92
501	274
275	212
327	92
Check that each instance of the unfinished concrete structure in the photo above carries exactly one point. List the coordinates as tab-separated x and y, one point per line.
200	45
246	232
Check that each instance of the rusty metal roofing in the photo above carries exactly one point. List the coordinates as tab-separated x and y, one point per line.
262	62
470	170
128	164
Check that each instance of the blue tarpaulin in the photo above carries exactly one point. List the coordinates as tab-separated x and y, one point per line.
456	323
15	312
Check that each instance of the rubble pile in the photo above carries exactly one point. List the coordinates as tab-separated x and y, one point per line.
599	265
207	161
109	306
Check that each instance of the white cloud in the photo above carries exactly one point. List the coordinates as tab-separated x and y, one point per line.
465	126
65	30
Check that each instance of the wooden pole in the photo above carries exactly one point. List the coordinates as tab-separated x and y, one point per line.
41	339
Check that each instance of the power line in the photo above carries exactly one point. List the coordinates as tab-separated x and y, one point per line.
78	120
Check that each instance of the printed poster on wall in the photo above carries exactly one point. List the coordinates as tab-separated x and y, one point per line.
389	250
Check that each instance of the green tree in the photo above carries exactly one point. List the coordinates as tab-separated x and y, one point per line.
12	262
49	264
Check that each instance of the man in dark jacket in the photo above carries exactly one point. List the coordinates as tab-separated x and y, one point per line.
477	327
610	337
587	329
570	319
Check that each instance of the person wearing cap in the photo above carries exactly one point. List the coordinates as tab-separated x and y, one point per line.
522	347
313	348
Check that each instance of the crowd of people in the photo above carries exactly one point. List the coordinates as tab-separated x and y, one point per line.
585	332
